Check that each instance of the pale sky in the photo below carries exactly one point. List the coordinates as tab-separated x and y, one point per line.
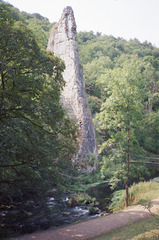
128	19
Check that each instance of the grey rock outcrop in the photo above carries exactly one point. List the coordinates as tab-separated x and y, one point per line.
63	43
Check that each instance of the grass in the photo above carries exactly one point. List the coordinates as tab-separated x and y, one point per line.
141	230
84	181
143	190
137	193
81	187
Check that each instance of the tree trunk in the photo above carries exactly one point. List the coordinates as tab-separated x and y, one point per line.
127	180
127	193
2	78
127	160
150	106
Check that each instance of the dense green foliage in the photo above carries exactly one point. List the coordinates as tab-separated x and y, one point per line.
39	25
122	82
37	139
121	115
100	53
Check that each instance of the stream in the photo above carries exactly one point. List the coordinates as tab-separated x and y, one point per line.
67	214
55	212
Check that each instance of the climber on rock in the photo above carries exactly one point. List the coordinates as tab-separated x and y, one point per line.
66	28
80	123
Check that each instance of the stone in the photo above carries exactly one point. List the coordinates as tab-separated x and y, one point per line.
63	43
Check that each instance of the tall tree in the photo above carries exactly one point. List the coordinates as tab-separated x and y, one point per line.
35	134
121	115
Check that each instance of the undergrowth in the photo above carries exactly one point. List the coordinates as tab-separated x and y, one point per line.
84	181
137	192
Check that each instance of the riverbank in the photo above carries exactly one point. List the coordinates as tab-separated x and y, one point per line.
56	211
95	227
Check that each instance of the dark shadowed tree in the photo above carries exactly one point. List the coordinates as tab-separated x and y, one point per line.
35	134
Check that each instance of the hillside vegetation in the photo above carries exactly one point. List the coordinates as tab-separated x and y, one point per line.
122	83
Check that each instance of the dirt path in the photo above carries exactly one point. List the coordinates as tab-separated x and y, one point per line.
94	227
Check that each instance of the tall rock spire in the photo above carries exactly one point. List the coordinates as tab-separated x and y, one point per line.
63	43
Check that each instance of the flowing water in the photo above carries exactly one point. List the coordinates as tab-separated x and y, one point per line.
55	212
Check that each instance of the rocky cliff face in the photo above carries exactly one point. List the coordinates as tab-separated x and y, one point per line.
62	42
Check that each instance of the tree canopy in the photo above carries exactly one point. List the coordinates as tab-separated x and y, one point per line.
37	138
102	56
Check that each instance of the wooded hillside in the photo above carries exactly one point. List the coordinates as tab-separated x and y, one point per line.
122	83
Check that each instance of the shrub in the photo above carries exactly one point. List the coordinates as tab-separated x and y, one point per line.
81	199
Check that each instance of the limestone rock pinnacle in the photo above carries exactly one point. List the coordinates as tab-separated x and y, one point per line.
63	43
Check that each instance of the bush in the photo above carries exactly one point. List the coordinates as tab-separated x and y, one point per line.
156	180
93	210
117	200
81	199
